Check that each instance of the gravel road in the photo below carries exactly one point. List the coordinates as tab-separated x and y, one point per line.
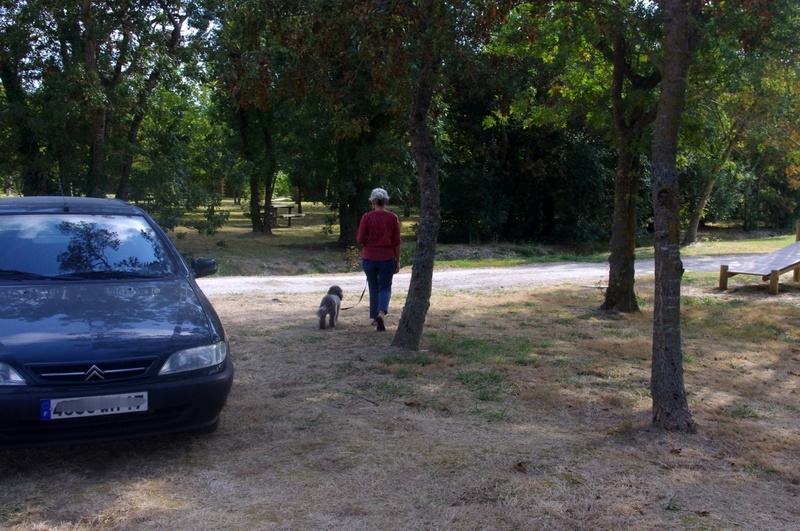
594	274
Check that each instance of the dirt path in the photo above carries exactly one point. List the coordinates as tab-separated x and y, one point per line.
590	274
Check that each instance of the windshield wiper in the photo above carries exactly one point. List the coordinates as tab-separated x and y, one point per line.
15	274
91	275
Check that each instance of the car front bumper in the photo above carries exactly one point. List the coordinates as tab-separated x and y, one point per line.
174	405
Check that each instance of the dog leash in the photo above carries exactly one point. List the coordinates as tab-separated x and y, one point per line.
359	300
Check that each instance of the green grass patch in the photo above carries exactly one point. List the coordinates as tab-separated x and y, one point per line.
760	471
403	372
712	302
514	351
391	390
743	412
619	333
487	385
511	261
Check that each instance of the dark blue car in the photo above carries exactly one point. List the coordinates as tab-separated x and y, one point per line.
104	333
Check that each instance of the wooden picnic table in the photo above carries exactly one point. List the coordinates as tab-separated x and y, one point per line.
288	216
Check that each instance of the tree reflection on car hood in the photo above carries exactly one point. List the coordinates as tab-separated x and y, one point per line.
97	320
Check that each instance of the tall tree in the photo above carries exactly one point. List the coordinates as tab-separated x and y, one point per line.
171	21
670	405
240	56
605	49
412	320
23	144
80	66
632	110
436	29
526	152
739	97
288	57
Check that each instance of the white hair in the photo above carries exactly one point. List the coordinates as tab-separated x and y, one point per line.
379	193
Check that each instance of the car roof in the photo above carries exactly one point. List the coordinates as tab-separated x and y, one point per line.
73	205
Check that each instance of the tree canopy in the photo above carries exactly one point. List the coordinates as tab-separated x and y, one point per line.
539	106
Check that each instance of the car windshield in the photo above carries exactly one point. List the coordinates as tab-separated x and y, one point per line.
73	246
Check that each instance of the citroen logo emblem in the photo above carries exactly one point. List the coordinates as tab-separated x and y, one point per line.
94	372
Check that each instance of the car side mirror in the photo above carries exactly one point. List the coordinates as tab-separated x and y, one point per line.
202	267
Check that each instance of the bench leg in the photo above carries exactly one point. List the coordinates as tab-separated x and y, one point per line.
773	281
723	277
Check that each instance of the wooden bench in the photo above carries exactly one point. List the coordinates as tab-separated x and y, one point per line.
289	217
769	267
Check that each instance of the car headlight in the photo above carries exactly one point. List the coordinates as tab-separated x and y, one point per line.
196	358
9	376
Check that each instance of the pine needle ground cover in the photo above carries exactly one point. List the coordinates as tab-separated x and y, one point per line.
525	409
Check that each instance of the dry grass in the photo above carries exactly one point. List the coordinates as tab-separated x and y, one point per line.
525	410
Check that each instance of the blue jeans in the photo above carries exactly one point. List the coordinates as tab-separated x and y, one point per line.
379	279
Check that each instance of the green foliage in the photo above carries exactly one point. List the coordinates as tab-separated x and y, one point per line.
726	197
562	195
310	100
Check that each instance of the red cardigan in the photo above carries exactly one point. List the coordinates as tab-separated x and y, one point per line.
379	235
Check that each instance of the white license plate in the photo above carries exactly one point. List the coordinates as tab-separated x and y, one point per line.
92	406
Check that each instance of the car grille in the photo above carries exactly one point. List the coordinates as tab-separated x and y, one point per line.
89	373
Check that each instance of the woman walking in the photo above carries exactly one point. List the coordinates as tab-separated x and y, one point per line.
379	236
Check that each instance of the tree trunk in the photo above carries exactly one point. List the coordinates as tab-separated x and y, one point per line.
697	212
349	198
269	170
412	321
670	405
255	204
255	191
95	179
630	120
349	217
124	188
620	294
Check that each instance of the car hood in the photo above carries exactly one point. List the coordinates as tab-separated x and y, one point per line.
101	320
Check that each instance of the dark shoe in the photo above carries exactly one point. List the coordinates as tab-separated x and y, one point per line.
381	326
